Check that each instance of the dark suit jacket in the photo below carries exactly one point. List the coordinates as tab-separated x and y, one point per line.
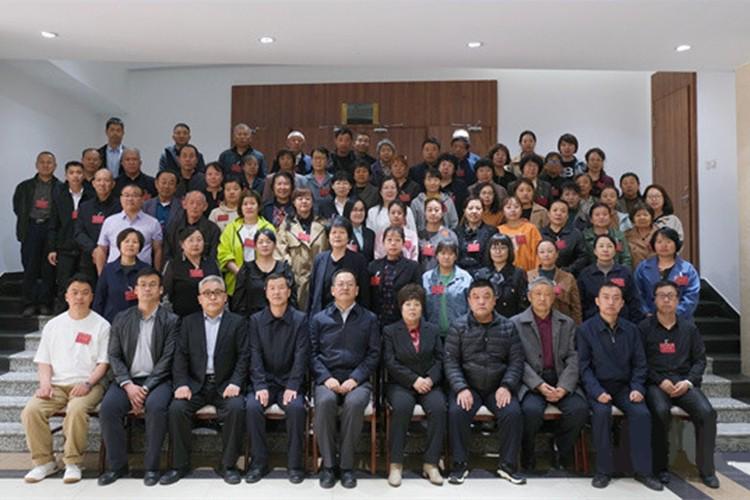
368	251
353	261
407	271
230	355
208	229
175	208
403	363
123	339
62	218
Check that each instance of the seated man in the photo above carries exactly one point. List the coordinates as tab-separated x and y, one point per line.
676	360
279	355
550	373
613	372
483	365
345	344
141	348
71	359
210	367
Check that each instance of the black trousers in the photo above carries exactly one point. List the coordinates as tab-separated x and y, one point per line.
67	266
575	413
115	407
231	413
703	416
639	422
295	426
509	425
350	409
38	274
403	400
87	267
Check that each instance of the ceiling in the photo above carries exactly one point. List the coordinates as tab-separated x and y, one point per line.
534	34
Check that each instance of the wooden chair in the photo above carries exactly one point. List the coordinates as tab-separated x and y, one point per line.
275	413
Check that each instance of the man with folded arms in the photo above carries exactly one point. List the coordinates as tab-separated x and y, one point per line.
141	347
71	361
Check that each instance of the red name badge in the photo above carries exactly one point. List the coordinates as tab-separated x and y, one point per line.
324	192
222	218
196	273
83	338
618	246
146	196
41	204
618	281
303	236
542	200
428	250
236	168
437	289
74	215
97	219
561	245
248	243
353	247
472	247
667	348
445	209
461	172
408	244
681	280
520	239
375	280
404	197
558	290
130	295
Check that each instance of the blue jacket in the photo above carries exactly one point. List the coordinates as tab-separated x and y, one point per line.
591	278
112	286
683	273
455	291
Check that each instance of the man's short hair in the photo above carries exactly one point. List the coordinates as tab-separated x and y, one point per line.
343	131
540	280
148	271
45	153
275	276
481	283
83	153
79	278
162	172
181	125
431	140
339	272
73	163
114	121
609	284
212	278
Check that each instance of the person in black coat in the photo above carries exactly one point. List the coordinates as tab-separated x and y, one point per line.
509	281
571	247
473	236
456	188
279	355
194	205
363	238
389	274
413	358
210	367
142	375
483	365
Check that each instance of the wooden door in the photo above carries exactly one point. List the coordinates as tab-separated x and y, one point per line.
674	143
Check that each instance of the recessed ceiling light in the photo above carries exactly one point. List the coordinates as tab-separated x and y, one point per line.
265	40
682	48
474	45
49	34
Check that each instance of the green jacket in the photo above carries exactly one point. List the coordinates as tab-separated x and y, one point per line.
231	248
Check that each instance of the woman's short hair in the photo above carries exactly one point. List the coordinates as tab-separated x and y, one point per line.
499	147
668	208
446	244
127	232
666	232
637	208
341	223
598	151
500	239
412	291
495	205
399	204
248	194
596	205
349	206
187	232
271	235
394	229
607	236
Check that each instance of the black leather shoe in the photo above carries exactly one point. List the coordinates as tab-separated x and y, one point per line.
231	475
296	476
256	473
327	478
151	477
649	482
348	480
171	477
600	481
711	481
111	476
509	473
664	477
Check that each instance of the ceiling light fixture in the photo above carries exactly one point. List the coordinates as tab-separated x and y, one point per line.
265	40
49	34
474	45
682	48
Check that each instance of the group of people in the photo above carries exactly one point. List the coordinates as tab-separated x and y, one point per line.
511	283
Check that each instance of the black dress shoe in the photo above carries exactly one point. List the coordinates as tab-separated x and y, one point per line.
600	481
348	480
649	482
256	473
664	477
151	477
327	478
711	481
111	476
231	475
508	473
296	476
171	477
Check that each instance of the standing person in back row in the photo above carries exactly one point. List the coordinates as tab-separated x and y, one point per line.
242	145
112	151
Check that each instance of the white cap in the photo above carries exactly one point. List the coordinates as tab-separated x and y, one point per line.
296	133
461	133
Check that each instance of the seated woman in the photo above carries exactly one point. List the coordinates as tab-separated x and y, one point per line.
284	162
658	199
116	285
299	240
499	155
473	235
607	270
639	236
601	218
531	167
571	249
492	215
668	265
341	187
567	298
389	273
280	206
446	286
249	293
397	216
484	172
524	234
237	241
182	274
530	210
378	217
595	170
227	210
363	238
214	191
433	233
620	220
508	280
413	359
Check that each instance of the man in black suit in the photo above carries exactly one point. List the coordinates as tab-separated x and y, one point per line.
210	367
279	350
111	152
141	348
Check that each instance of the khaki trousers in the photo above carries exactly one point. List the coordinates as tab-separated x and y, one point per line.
35	418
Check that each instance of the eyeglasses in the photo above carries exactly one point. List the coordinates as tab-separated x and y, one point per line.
213	294
667	295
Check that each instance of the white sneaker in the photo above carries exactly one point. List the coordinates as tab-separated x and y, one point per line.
40	472
72	474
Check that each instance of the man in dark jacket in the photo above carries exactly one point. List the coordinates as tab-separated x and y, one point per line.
141	347
210	367
168	159
613	372
279	355
131	173
676	361
32	204
484	365
345	345
194	205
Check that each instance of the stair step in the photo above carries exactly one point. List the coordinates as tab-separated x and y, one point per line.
733	437
709	308
16	322
31	341
740	385
11	304
726	363
725	343
13	340
714	325
714	386
22	361
18	383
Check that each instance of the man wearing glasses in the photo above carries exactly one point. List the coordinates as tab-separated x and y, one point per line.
210	367
676	361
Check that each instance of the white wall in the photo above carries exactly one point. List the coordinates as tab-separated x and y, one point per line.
717	183
34	117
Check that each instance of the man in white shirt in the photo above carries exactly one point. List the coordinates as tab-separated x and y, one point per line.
71	359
